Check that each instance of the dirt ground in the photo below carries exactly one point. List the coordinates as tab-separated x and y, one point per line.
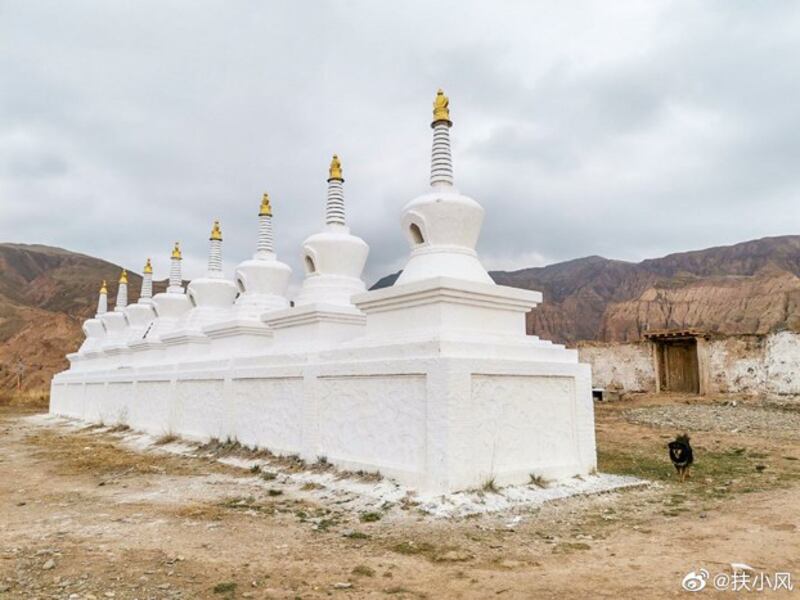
84	517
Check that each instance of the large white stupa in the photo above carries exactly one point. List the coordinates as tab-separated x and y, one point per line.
432	381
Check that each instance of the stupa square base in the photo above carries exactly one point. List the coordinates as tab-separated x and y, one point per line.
437	424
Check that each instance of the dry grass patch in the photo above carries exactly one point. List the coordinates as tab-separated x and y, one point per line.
248	504
37	401
568	547
167	438
217	511
363	570
433	552
201	512
81	453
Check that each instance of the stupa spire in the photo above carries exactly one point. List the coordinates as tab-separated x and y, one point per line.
334	210
175	277
441	159
147	281
215	249
122	291
102	300
265	245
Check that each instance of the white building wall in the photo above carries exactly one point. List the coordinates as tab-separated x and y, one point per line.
737	364
620	367
782	358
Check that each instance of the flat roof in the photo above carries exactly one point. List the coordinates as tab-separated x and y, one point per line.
674	334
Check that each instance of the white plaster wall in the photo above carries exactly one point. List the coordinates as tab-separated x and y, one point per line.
69	400
623	367
504	408
756	365
269	412
76	394
199	410
151	410
782	360
94	397
734	365
118	397
438	424
373	420
738	364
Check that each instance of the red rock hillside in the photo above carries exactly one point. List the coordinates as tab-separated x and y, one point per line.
45	295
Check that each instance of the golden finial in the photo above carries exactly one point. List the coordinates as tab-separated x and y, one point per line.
441	107
103	288
266	207
216	232
148	267
176	251
335	171
123	277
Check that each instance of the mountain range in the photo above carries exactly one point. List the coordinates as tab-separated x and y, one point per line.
751	287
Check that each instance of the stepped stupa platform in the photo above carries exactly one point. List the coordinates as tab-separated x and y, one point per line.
432	381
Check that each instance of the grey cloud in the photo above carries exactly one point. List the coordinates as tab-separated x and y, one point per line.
628	130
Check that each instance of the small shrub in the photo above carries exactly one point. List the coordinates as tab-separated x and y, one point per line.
274	492
370	517
325	524
490	486
225	587
538	480
363	570
167	438
355	535
255	469
269	475
410	548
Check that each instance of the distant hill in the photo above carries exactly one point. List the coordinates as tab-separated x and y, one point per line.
45	295
751	287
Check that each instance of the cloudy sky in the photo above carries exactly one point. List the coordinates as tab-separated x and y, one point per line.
628	130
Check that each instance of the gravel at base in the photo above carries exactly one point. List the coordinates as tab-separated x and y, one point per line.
734	419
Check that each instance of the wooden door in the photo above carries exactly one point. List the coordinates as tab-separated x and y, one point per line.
680	367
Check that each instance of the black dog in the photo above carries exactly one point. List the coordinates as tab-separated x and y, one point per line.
681	455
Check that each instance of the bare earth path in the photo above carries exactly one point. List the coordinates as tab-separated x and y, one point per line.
82	517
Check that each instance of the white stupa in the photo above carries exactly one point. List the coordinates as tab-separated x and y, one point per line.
333	259
171	305
211	296
114	321
140	315
93	328
442	225
262	282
